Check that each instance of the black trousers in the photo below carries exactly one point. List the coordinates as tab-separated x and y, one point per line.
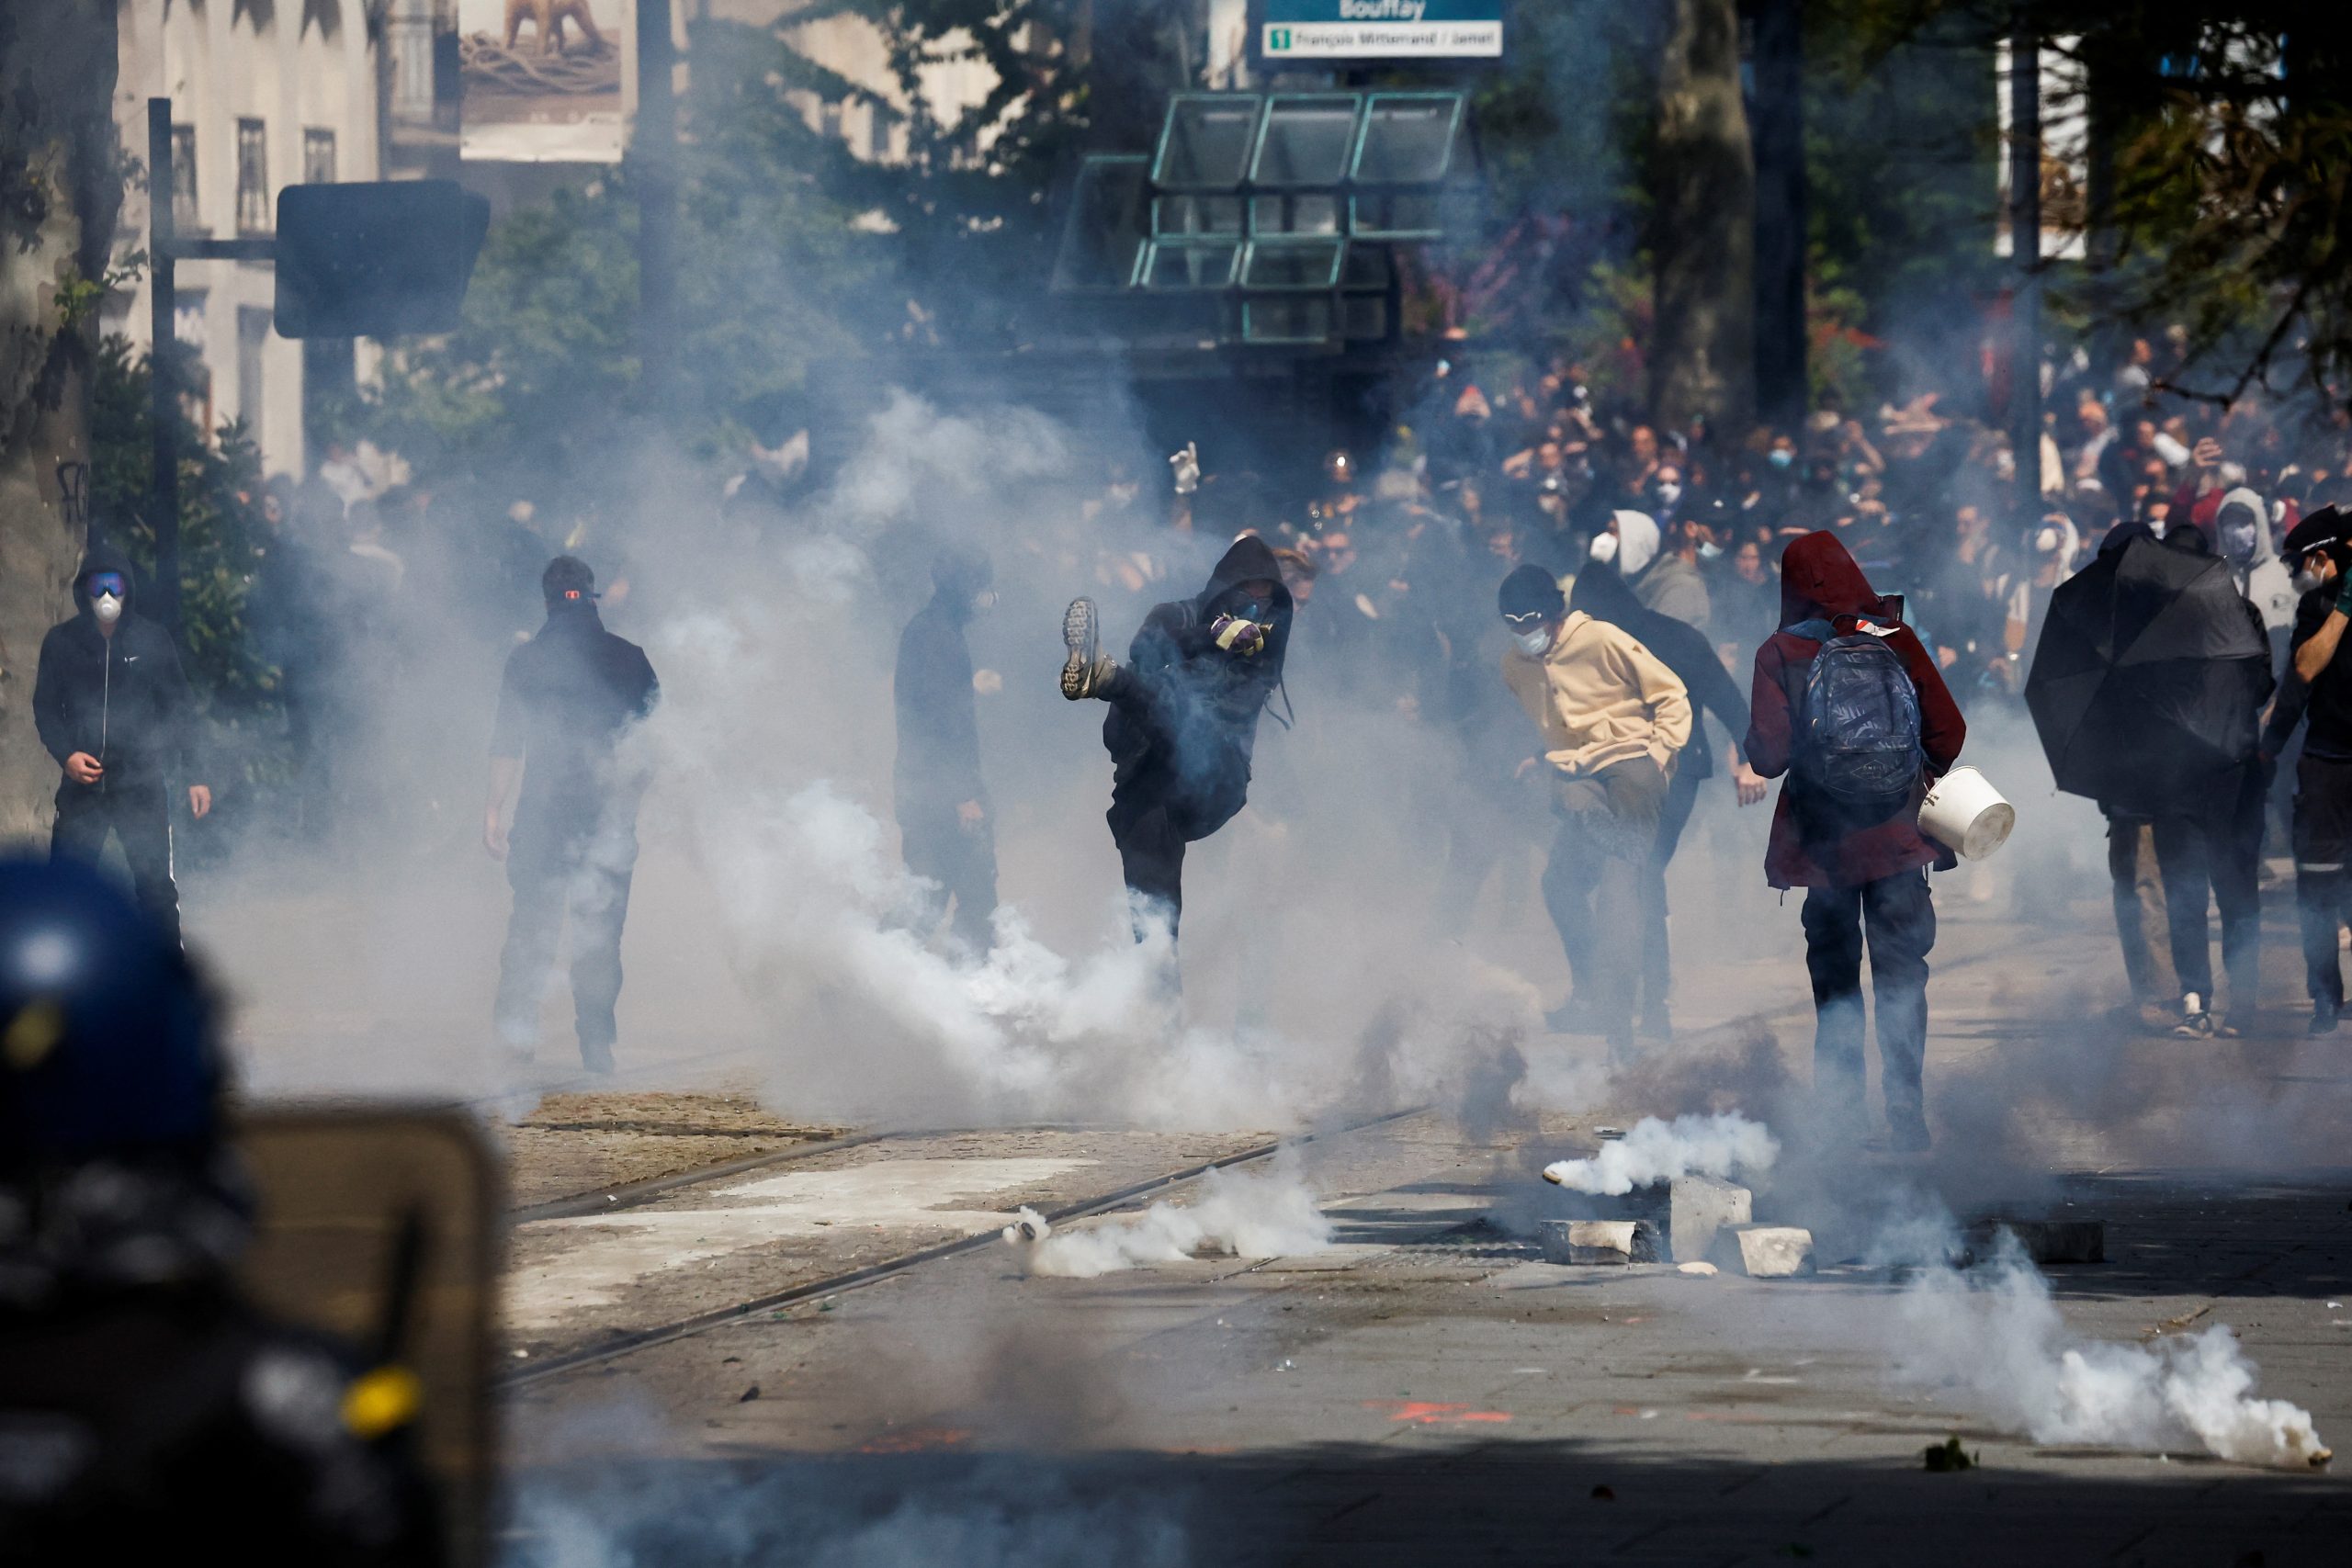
2323	836
140	818
581	877
1599	885
1152	855
1899	917
2217	851
959	861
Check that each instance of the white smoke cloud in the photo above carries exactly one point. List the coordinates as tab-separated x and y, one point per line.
1272	1215
1997	1335
1656	1151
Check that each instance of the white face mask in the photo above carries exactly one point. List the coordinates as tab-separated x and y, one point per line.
1604	548
108	607
2307	581
1532	644
984	601
2046	540
1710	550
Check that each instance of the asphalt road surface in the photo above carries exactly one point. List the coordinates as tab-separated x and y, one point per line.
746	1366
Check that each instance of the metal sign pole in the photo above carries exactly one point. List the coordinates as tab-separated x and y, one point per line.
161	598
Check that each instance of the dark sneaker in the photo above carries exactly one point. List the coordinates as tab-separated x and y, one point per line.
2195	1023
2323	1018
2227	1028
1086	671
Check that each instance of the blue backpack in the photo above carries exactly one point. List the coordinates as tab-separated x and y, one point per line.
1854	724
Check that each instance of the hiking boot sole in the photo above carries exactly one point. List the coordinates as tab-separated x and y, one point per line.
1081	635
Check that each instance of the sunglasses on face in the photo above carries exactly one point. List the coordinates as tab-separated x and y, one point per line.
102	583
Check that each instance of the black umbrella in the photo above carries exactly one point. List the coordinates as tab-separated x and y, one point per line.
2149	679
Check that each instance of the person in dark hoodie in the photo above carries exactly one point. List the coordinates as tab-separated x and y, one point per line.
1184	708
1859	875
112	706
1685	650
2319	688
569	697
945	829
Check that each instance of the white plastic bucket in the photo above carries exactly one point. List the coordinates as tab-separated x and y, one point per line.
1964	812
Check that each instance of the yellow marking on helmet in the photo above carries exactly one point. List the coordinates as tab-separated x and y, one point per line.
381	1400
32	1034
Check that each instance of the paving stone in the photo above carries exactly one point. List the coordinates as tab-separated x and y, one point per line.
1772	1252
1599	1241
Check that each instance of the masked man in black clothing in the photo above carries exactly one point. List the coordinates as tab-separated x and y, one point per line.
1184	710
112	706
945	829
569	698
2319	687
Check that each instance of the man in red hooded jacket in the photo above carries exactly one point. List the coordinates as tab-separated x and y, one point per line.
1869	878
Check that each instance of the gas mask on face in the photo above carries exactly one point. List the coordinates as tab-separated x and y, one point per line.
1604	548
2237	534
106	590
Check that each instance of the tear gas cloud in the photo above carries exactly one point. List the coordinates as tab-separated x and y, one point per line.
1721	1147
1250	1215
1996	1336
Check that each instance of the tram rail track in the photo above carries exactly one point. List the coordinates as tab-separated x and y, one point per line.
550	1367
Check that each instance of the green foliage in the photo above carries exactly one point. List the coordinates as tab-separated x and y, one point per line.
541	375
220	527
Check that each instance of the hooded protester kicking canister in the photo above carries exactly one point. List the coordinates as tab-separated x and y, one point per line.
111	705
1612	719
1848	704
1184	710
569	699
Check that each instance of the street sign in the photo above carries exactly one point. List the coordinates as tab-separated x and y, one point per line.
1379	29
376	259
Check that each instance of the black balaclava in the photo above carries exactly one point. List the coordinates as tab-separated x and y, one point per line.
567	584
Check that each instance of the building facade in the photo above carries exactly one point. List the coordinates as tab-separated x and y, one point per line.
265	94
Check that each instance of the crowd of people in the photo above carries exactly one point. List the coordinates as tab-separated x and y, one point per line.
1674	604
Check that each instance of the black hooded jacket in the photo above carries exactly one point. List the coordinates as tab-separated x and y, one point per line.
123	698
1683	648
1195	749
569	697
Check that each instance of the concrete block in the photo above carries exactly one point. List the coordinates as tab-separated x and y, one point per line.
1687	1214
2044	1241
1773	1252
1700	1207
1599	1241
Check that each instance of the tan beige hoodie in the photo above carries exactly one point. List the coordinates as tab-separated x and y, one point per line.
1599	697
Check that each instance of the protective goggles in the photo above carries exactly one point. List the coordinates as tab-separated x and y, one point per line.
99	583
